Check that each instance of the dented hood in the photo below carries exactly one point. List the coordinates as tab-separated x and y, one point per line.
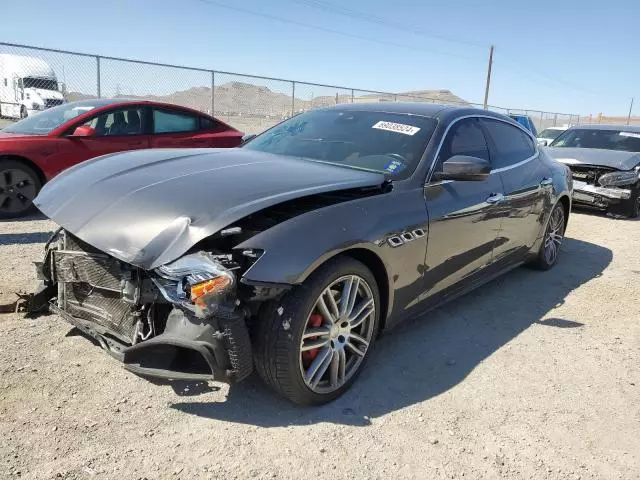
149	207
595	156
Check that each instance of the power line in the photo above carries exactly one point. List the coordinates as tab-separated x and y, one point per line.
331	30
367	17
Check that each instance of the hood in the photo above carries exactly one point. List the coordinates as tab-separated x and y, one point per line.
45	94
149	207
594	156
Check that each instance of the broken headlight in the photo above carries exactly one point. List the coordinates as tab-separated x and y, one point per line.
195	282
618	179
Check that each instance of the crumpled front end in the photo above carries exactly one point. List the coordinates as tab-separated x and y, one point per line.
180	322
602	187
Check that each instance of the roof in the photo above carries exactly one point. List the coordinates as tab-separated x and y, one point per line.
24	66
597	126
417	108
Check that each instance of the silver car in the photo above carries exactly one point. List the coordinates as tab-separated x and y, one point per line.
605	165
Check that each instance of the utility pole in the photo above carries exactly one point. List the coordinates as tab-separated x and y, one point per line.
630	108
486	91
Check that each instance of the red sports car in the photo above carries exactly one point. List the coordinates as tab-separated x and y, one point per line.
39	147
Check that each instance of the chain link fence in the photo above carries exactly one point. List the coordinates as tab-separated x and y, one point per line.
33	79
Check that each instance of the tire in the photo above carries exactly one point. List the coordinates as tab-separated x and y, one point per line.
553	236
278	335
631	207
23	112
19	185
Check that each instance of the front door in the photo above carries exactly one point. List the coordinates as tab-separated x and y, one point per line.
117	130
527	184
464	216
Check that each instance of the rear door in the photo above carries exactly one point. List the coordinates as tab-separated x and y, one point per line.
527	185
180	129
464	216
116	130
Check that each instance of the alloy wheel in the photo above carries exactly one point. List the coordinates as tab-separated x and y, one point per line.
17	191
555	234
337	334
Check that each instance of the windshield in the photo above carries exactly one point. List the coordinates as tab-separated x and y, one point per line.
43	83
550	133
389	143
604	139
43	122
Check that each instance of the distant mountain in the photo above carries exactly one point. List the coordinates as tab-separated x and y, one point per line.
238	98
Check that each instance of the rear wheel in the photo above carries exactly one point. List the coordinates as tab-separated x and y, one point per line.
312	346
553	237
19	185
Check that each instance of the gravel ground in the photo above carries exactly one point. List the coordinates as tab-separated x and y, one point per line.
535	375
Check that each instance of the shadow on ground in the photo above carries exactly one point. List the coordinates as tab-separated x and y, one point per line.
24	238
427	356
38	215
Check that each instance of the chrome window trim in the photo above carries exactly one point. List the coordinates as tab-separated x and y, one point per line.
490	117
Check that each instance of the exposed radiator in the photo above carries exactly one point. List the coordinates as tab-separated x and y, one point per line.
91	283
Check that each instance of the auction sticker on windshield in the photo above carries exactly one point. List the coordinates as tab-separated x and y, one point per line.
397	127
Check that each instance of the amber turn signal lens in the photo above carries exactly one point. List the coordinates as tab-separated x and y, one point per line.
200	290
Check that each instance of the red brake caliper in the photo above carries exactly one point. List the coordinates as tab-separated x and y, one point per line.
315	320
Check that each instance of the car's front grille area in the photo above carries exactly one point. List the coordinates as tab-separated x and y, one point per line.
92	284
589	174
50	102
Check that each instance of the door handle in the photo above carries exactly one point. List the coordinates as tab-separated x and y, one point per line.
546	181
495	198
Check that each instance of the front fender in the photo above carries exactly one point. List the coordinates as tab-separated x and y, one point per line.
298	246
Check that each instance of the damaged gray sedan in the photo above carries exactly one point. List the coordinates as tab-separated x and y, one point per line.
605	165
293	253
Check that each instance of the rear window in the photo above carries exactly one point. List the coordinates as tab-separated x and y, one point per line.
604	139
550	134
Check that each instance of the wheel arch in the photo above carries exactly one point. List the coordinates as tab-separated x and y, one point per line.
566	205
379	270
25	161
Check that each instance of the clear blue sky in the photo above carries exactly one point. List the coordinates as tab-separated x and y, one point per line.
570	56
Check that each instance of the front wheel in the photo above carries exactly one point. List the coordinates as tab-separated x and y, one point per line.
553	236
23	112
311	346
19	185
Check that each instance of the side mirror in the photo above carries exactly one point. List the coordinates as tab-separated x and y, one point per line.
542	143
248	137
464	168
84	131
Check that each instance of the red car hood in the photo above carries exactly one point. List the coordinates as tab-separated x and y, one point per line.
14	136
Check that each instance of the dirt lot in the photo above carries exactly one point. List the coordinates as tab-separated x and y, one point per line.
536	375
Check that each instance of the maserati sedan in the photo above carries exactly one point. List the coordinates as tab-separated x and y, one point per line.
39	147
291	254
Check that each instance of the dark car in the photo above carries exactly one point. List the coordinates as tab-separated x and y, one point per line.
293	253
36	149
605	164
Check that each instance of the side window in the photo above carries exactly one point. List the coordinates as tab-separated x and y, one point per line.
126	121
208	124
512	145
465	137
172	122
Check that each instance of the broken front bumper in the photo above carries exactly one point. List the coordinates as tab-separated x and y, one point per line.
185	351
600	197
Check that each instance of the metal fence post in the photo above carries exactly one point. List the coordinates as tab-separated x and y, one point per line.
555	120
352	95
98	76
541	120
213	93
293	98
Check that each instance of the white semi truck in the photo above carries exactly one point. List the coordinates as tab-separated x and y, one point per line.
28	85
